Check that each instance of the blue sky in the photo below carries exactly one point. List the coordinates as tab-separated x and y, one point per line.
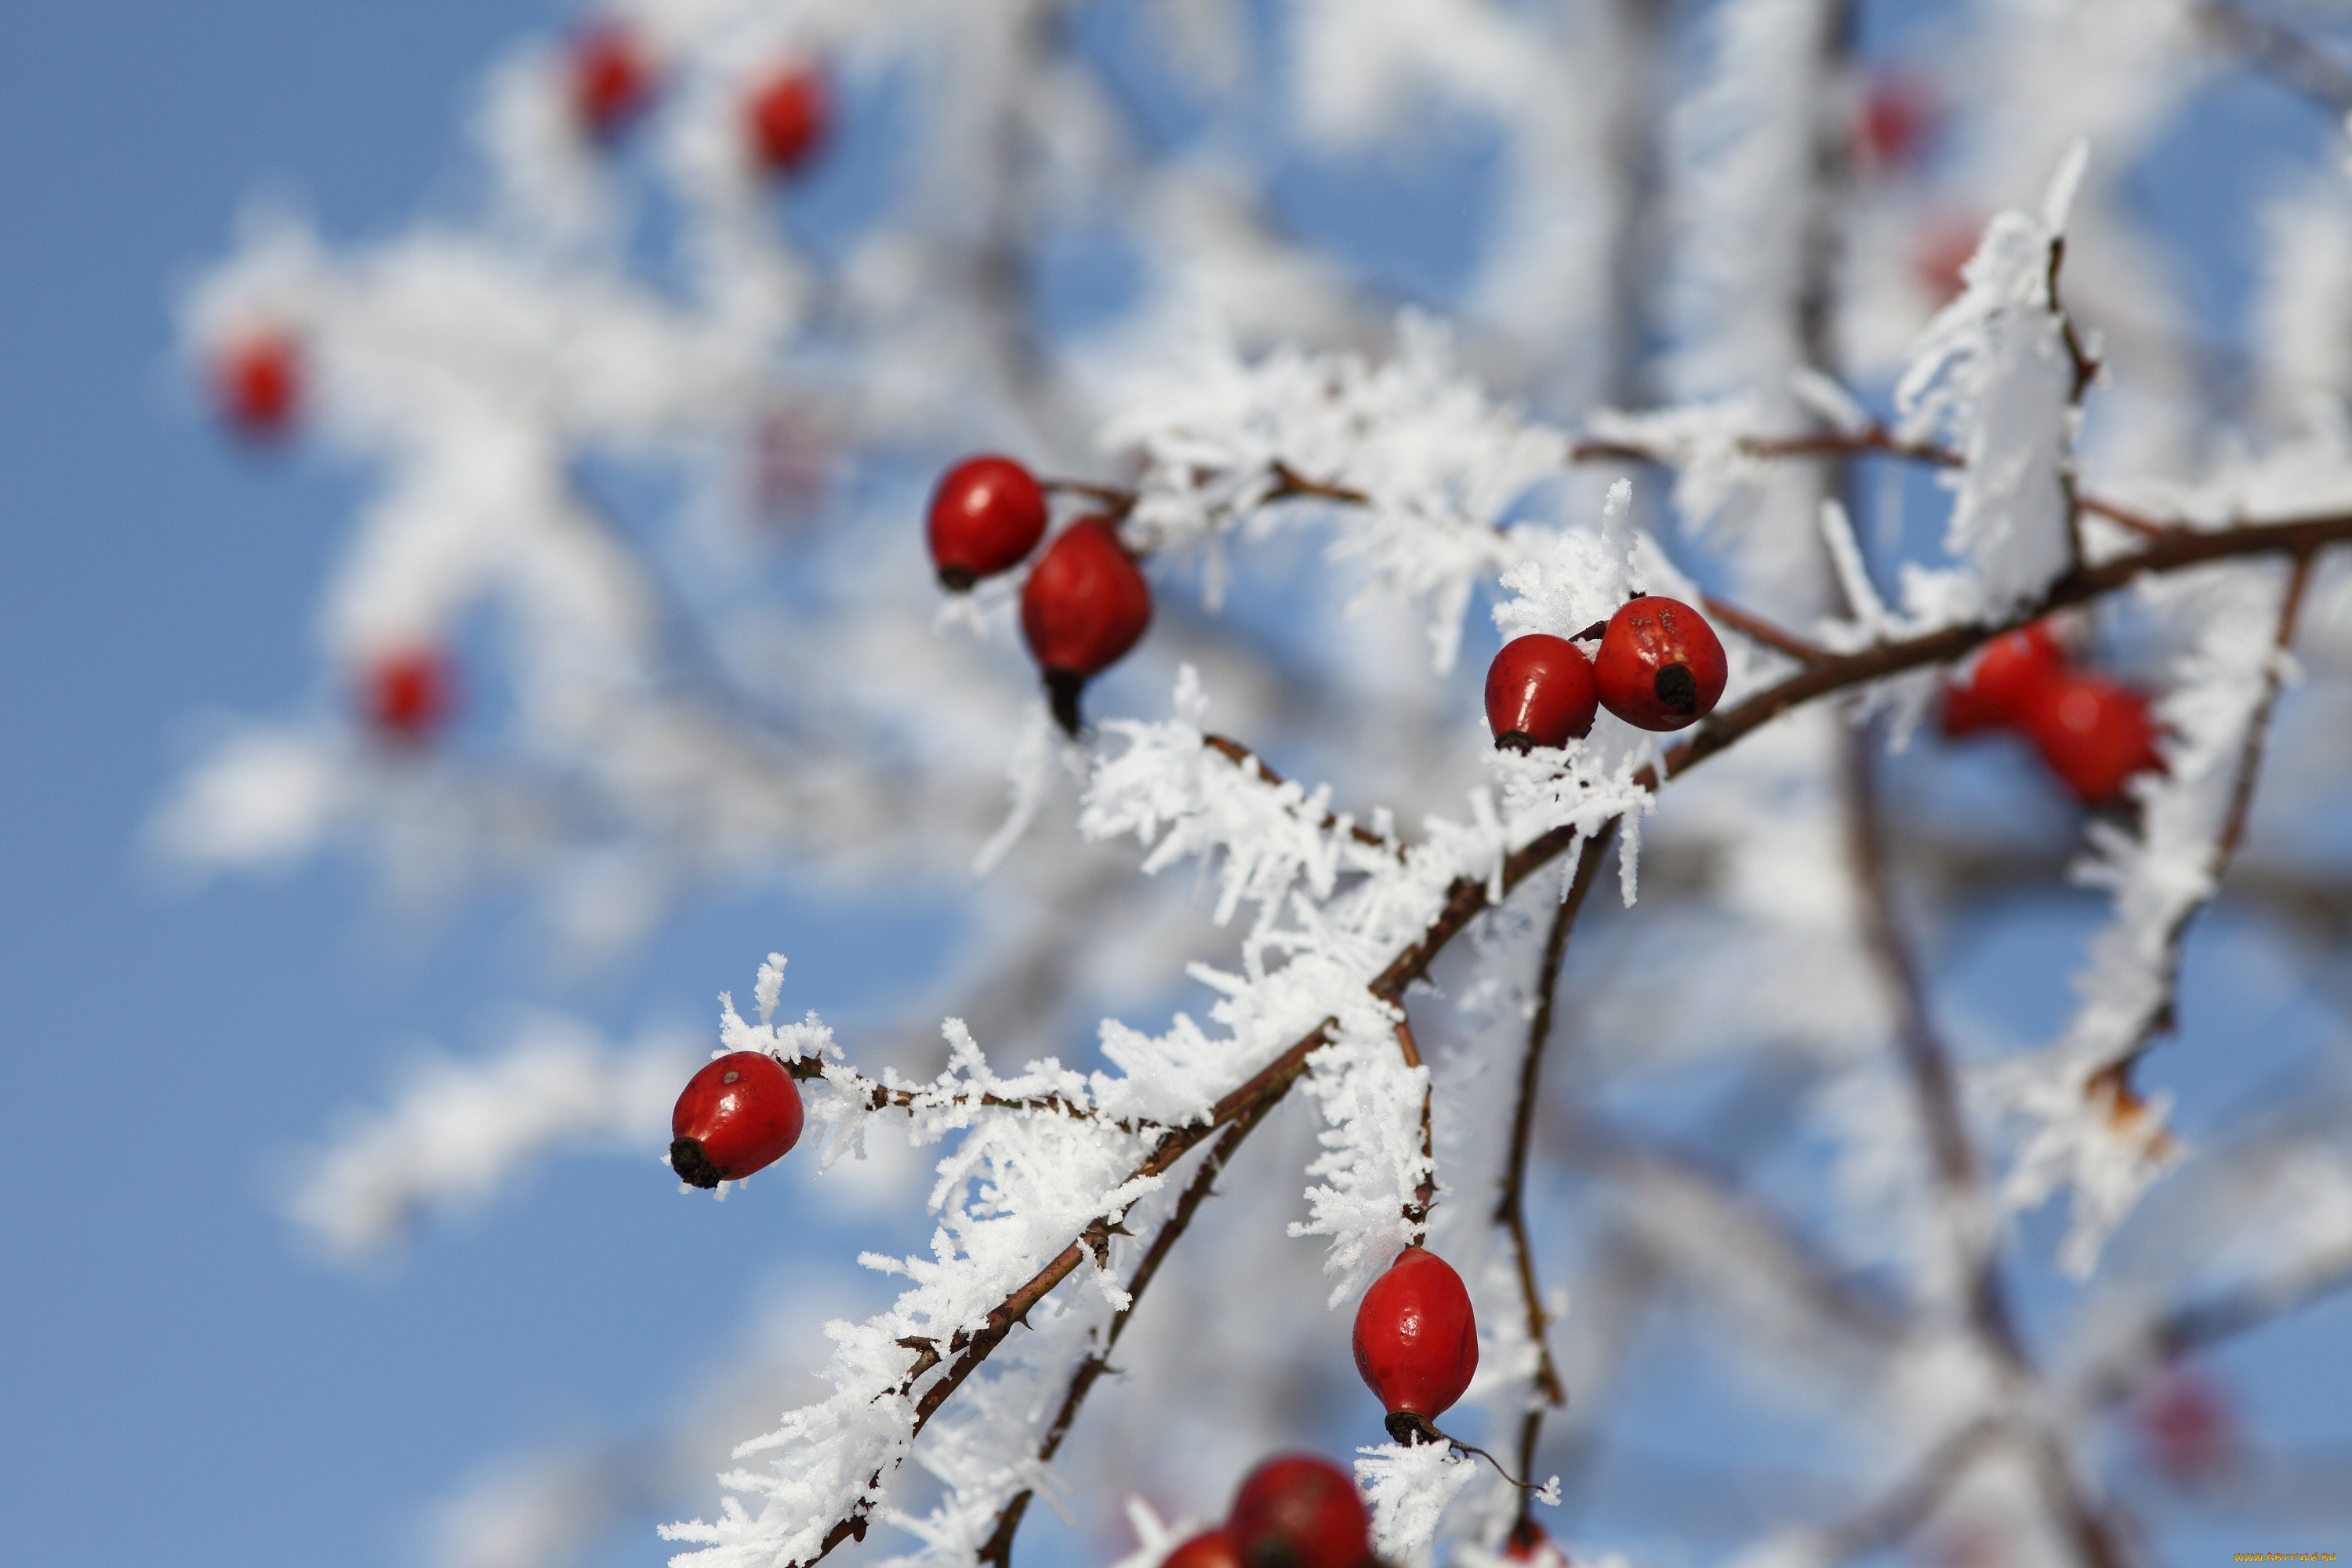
177	1383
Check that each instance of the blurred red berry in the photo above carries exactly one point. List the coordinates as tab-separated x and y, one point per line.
1528	1543
987	515
1661	666
739	1114
1896	117
2009	677
1085	605
787	117
1300	1511
1940	255
1416	1339
258	382
1540	693
610	79
1210	1549
407	696
2094	734
2185	1426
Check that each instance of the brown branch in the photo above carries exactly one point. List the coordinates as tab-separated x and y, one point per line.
2232	831
2287	55
1511	1210
881	1097
1242	757
1936	1094
1755	629
998	1548
2139	522
1912	1500
1424	1193
1870	440
1467	898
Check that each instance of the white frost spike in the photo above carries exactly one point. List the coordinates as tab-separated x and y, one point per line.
1409	1489
768	987
1031	771
1992	374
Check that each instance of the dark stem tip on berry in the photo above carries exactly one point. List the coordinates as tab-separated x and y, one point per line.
1518	741
692	1165
1411	1426
958	579
1677	688
1270	1551
1062	688
1598	628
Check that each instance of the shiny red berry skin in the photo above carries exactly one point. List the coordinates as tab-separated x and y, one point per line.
610	79
1540	693
408	697
2009	677
1085	605
2094	734
987	514
1660	665
1300	1511
258	381
787	117
1416	1339
739	1114
1210	1549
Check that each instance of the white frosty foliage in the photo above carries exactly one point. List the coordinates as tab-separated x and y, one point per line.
1438	464
1409	1487
1993	375
457	1131
2075	1136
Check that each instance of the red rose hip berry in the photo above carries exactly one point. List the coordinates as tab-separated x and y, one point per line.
2008	679
1300	1511
739	1114
408	697
1210	1549
258	384
610	78
1660	665
1085	605
1417	1341
1540	693
2094	734
787	117
987	515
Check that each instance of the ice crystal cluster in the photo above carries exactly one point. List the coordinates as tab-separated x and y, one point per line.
1843	327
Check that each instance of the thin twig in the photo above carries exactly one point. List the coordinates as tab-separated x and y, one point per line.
1424	1192
1912	1500
2285	53
881	1097
1242	757
2161	1018
1936	1094
1511	1208
998	1549
1755	629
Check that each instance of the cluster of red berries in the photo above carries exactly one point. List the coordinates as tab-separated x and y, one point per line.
740	1113
611	78
1085	602
1660	665
2091	731
1298	1510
